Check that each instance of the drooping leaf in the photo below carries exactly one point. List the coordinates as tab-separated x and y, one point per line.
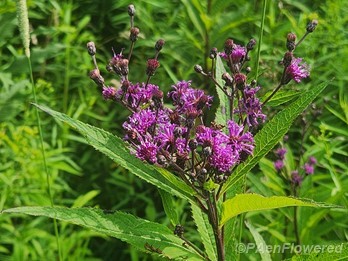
169	207
242	203
115	148
260	242
146	236
272	132
205	231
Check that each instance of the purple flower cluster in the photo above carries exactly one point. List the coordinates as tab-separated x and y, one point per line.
160	134
279	163
251	106
309	166
296	177
296	70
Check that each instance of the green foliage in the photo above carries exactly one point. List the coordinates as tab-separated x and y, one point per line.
272	132
242	203
59	32
145	235
115	148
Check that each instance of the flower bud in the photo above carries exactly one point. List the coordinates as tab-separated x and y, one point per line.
290	41
311	26
240	80
198	68
228	46
227	78
251	44
179	230
151	67
91	48
193	144
213	53
131	10
134	32
287	59
96	77
159	45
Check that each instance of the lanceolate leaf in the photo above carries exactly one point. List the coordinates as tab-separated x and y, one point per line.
205	231
260	242
169	207
242	203
144	235
115	148
272	132
222	112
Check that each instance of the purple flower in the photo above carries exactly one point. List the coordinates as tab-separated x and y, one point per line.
308	168
281	153
296	71
312	160
188	100
147	150
251	106
109	93
278	165
223	158
296	178
237	55
140	122
137	95
241	142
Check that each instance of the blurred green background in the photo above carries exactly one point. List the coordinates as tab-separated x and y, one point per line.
82	176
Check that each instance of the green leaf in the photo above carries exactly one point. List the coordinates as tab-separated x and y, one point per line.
280	97
205	231
115	148
260	242
222	112
144	235
169	207
272	132
242	203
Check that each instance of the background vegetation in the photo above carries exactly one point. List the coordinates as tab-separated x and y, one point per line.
83	177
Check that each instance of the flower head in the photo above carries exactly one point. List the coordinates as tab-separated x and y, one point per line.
296	178
296	71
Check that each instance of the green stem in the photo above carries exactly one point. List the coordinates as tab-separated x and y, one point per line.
214	221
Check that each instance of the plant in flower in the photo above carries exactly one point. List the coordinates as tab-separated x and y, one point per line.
169	143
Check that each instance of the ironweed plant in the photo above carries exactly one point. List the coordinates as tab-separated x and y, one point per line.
169	143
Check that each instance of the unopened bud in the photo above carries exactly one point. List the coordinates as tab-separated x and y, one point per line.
228	46
198	68
251	44
227	78
131	10
248	69
151	67
179	230
311	26
91	48
96	77
134	32
240	80
159	45
287	59
213	53
125	85
290	41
